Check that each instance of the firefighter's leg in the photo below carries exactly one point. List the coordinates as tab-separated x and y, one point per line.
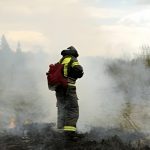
71	109
60	116
72	115
60	95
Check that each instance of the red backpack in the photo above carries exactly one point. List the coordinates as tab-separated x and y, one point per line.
55	75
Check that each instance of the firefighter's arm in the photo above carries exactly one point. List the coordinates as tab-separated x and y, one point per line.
77	70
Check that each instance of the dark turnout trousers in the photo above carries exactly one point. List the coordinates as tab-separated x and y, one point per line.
68	109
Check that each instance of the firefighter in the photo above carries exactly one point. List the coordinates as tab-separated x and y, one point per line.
67	100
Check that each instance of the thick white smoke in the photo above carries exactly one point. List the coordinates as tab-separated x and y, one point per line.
133	81
108	85
100	103
103	91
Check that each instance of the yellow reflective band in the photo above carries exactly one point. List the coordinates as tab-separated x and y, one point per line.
65	62
71	84
75	64
69	128
66	70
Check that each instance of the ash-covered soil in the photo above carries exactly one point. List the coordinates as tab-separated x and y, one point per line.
44	137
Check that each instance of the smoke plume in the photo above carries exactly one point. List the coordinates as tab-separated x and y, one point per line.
103	92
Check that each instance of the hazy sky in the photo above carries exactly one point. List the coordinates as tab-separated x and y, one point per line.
95	27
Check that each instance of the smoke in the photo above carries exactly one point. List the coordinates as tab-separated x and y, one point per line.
103	92
109	86
23	97
133	81
100	105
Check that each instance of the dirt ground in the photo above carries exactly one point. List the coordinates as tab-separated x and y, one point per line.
44	137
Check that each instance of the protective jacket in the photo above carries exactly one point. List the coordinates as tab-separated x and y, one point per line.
72	69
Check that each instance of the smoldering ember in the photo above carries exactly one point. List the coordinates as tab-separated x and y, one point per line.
26	119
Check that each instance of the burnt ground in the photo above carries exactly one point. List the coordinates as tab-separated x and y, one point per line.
44	137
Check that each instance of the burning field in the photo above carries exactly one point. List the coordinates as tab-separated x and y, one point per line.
117	97
44	137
